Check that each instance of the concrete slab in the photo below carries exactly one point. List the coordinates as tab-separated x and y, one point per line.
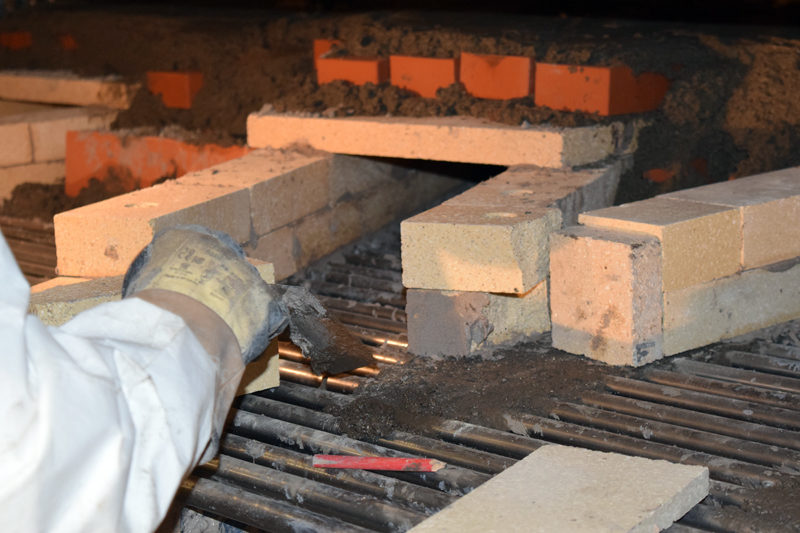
459	139
560	489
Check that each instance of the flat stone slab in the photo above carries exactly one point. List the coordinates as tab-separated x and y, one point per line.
561	488
459	139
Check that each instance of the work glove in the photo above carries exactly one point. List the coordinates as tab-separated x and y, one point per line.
202	276
209	267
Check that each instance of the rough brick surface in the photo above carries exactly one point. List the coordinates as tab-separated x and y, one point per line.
769	207
605	295
17	108
10	177
602	90
277	247
59	303
561	488
65	88
16	147
136	161
102	239
467	323
496	76
699	242
49	128
572	191
284	186
393	193
702	314
459	139
483	249
176	89
423	75
356	70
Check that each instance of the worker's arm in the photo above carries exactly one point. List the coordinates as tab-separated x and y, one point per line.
103	417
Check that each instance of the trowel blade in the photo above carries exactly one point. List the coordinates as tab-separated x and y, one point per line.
330	346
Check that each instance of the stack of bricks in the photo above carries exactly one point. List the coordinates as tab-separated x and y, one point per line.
33	141
614	90
649	279
476	266
289	208
33	131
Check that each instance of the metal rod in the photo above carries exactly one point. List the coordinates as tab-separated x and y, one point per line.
453	454
490	440
413	496
678	527
290	352
258	511
383	262
354	293
378	311
712	518
366	321
690	439
689	418
452	479
721	468
728	493
738	375
300	373
288	412
353	279
764	363
305	396
360	509
729	389
786	351
366	271
749	411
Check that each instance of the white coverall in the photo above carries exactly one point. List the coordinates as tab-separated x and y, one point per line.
101	418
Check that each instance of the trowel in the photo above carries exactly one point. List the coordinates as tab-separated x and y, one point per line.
330	346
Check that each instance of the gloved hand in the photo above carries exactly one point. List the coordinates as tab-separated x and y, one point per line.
202	276
210	268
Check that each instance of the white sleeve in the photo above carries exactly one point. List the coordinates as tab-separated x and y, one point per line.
102	417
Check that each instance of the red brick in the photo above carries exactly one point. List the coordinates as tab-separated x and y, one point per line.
602	90
135	161
659	175
16	40
356	70
496	76
423	75
177	89
67	42
323	46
